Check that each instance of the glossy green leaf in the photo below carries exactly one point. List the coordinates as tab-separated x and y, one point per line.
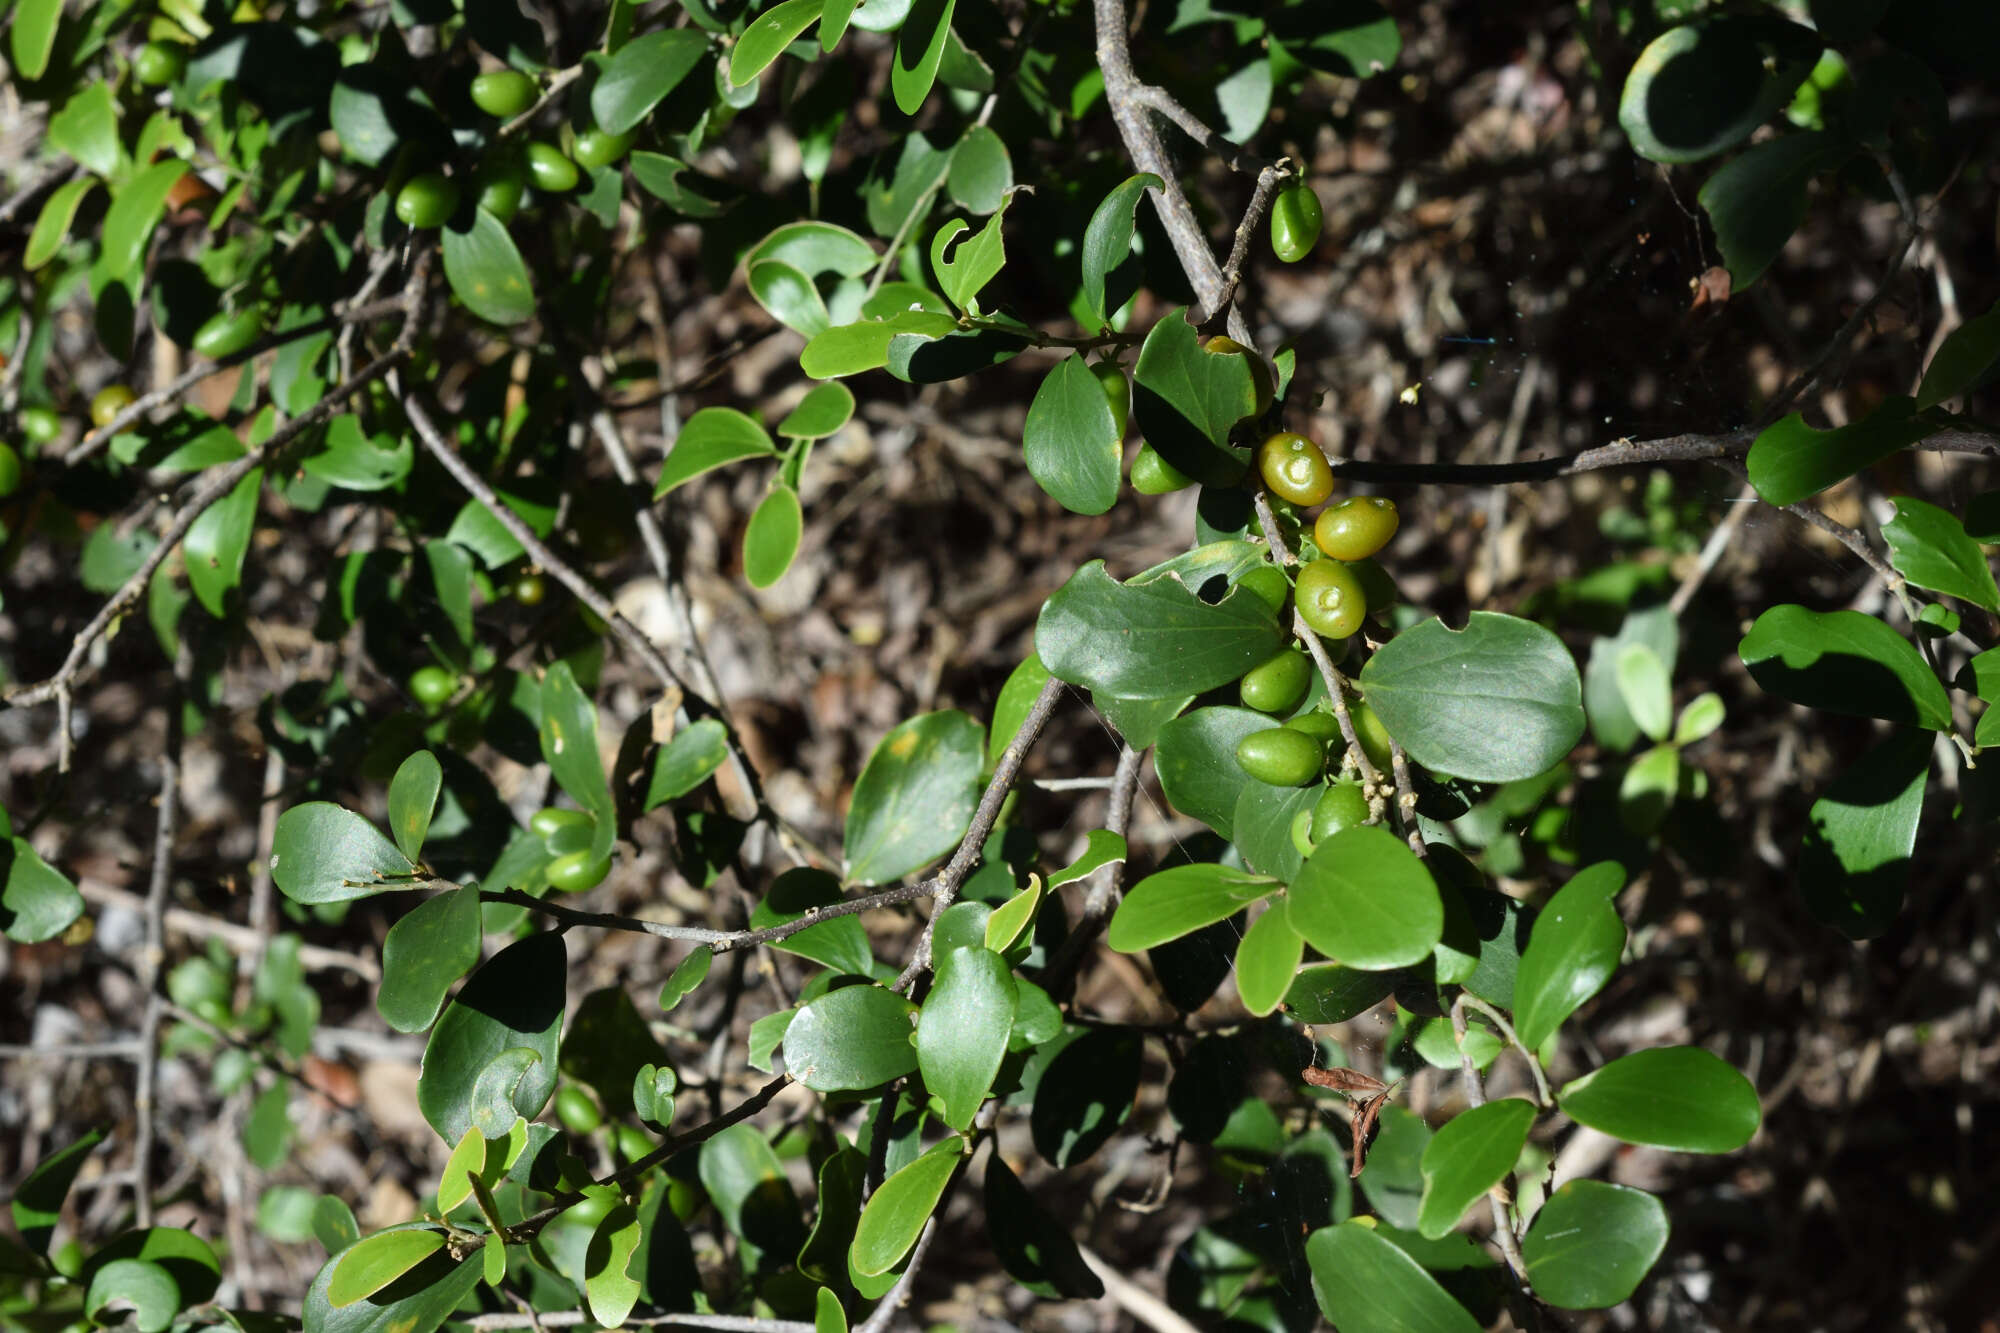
185	1257
747	1183
1700	88
1470	1154
1007	922
417	1302
1965	359
789	295
467	1160
358	461
689	973
128	226
682	188
86	128
815	247
643	71
217	543
1017	696
413	794
819	414
1496	701
324	854
1033	1247
570	748
982	173
486	271
772	537
424	954
851	1038
1195	758
1267	960
1365	1284
1101	848
32	36
1262	823
767	37
1676	1097
1855	860
1071	441
915	796
375	111
38	1199
1844	662
1151	638
1334	992
1572	951
1353	39
1703	714
920	43
1790	460
1187	400
962	1030
1929	547
610	1288
1180	901
37	901
515	1001
897	1211
840	942
1757	200
1644	684
1107	242
686	761
1592	1243
53	222
964	267
146	1287
374	1262
712	437
852	348
1364	899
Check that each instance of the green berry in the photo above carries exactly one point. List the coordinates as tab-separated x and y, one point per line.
530	589
504	93
228	332
109	402
1356	528
1117	393
551	172
1302	841
1279	684
577	871
551	821
40	423
1294	468
1269	585
1374	737
432	686
1296	218
426	201
1330	599
159	62
577	1109
1281	757
1340	807
1154	475
501	181
596	148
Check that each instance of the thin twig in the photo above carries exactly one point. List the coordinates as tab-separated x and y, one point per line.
1134	1299
1246	228
727	1323
1406	799
240	939
898	1296
1475	1095
1101	898
1233	155
1499	1020
125	1048
718	941
153	954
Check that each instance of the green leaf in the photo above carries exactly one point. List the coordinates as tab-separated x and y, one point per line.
689	973
486	271
1645	686
686	761
1180	901
129	222
1187	400
896	1213
1844	662
146	1287
285	1213
1151	638
915	796
218	541
1700	88
1573	949
850	349
1676	1097
712	437
1703	714
823	1256
324	854
1365	1284
1107	242
1267	960
982	173
1017	695
1334	992
1195	758
38	1199
973	262
643	71
1072	442
789	295
919	47
1034	1248
1353	39
267	1132
814	248
569	745
767	37
477	529
514	1001
53	222
33	36
373	1263
1855	860
679	186
416	1303
413	794
374	112
1470	1154
1592	1243
608	1046
1085	1094
467	1160
1963	361
358	462
1757	200
839	942
1930	549
86	128
1364	899
333	1224
1101	848
772	537
1790	460
37	901
1494	702
851	1038
962	1030
819	414
609	1288
430	948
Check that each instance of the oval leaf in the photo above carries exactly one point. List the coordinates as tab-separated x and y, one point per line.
1592	1243
1930	549
895	1216
413	794
1573	950
1364	899
217	542
962	1030
645	70
514	1001
766	39
711	438
1365	1284
486	271
1107	242
1790	460
919	47
1497	701
1071	440
1844	662
915	796
851	1038
1468	1156
416	1303
772	537
1180	901
433	945
324	854
819	414
1266	961
1855	860
374	1262
1678	1097
1152	638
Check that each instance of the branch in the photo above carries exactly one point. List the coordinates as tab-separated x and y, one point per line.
1475	1094
154	952
240	939
729	1323
1102	897
718	941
